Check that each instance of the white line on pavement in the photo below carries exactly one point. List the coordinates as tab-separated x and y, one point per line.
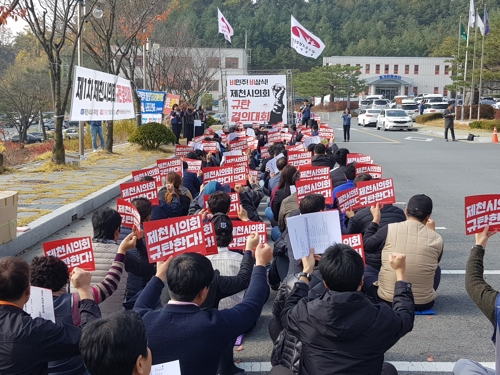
400	366
441	228
462	272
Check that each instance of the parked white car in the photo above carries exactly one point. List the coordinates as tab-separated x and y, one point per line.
411	108
390	119
435	107
368	117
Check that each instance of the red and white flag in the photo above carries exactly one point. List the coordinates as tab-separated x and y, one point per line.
303	41
224	26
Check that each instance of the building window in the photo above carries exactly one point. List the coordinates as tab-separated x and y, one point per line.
415	90
446	70
213	63
213	86
445	92
415	69
359	68
377	69
406	90
407	69
367	69
436	70
436	90
386	69
396	69
232	63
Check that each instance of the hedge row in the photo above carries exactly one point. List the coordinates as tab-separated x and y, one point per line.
487	112
485	124
422	119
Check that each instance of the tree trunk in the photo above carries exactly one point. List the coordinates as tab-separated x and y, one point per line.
137	106
2	168
42	127
109	136
58	153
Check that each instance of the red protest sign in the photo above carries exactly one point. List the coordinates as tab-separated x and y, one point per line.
482	210
308	172
183	150
170	165
255	174
274	137
233	208
172	237
359	158
356	242
239	144
376	191
194	165
210	239
210	146
232	174
232	159
373	170
242	230
298	147
347	199
74	252
129	213
326	132
264	152
316	186
152	172
298	158
286	137
138	189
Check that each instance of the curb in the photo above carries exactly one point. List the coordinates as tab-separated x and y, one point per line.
60	218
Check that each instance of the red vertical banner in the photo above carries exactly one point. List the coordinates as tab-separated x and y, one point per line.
74	252
172	237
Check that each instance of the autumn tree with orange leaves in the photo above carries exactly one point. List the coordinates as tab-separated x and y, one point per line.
114	40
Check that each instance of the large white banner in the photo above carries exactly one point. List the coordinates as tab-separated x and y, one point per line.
99	96
257	99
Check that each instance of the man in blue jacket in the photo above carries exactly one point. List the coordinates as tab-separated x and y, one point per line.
181	330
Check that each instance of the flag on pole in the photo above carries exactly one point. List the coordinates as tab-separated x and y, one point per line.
480	24
463	33
486	23
224	26
472	14
304	42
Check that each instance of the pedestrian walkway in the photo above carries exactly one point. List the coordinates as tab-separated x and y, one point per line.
56	198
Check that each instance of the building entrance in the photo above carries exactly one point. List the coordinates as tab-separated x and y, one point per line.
389	92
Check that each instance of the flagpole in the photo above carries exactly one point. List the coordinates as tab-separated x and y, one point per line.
480	89
472	88
465	71
458	59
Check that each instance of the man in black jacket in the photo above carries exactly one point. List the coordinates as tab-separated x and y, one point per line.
362	219
343	332
27	344
321	158
338	174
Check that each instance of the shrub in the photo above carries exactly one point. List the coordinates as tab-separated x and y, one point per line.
485	124
487	112
210	121
422	119
151	135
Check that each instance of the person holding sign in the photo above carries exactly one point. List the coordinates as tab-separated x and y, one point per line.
485	297
321	158
344	322
27	344
338	174
286	180
196	337
116	345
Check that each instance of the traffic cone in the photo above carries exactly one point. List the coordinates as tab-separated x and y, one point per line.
495	136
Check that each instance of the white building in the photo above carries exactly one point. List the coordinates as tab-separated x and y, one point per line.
391	76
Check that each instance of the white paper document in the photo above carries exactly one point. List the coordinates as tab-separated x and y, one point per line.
168	368
317	231
271	164
40	304
250	132
312	140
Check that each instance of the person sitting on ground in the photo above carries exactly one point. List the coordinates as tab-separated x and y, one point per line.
116	345
27	344
484	296
350	175
343	322
311	147
173	185
321	158
288	205
415	237
315	130
283	189
189	277
211	187
275	178
106	224
338	174
167	207
250	198
140	271
190	180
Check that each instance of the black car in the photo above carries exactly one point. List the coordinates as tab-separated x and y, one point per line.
29	139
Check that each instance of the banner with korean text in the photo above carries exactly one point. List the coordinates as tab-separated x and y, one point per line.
376	191
299	158
233	208
310	172
231	174
146	189
373	170
356	242
359	158
74	252
315	186
151	172
129	213
242	230
170	165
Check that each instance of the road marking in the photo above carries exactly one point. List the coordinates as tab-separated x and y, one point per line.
365	142
462	272
419	139
441	228
375	135
400	366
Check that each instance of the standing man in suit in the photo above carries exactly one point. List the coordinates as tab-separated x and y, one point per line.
449	122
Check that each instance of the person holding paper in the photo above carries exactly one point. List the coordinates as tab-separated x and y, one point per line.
415	237
343	323
181	330
275	177
486	299
27	344
116	345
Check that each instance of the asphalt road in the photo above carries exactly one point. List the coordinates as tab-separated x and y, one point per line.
446	172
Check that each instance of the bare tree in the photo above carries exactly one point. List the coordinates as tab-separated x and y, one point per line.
53	22
112	39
